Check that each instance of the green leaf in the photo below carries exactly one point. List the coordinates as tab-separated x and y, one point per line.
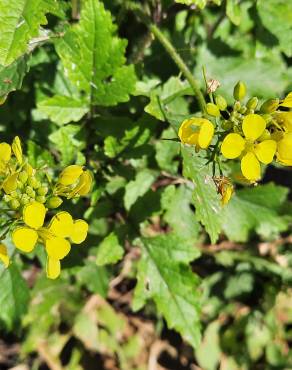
138	187
168	98
233	11
255	209
19	22
165	276
63	109
200	3
205	197
67	143
255	72
11	77
184	222
93	57
14	297
209	352
94	278
276	16
109	251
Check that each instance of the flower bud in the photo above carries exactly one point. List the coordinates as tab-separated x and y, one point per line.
23	176
33	182
237	106
239	91
221	102
25	199
213	110
29	191
40	198
243	110
252	103
14	204
54	202
227	125
17	150
269	106
42	190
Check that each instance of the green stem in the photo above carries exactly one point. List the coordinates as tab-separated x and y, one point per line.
172	52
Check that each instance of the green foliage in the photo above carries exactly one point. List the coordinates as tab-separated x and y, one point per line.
14	297
165	276
255	210
205	197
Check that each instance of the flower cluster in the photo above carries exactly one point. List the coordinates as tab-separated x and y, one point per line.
28	196
254	135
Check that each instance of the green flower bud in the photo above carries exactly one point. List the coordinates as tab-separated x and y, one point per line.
40	198
237	106
269	106
33	182
54	202
227	125
267	117
221	102
25	199
23	176
14	194
14	204
239	91
243	110
213	110
30	192
20	185
252	103
7	198
42	190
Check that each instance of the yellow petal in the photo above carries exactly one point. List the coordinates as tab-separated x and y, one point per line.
70	175
284	150
79	232
61	225
53	268
253	126
232	146
24	239
265	151
189	130
10	183
285	120
83	186
57	248
4	257
250	167
227	194
17	150
34	215
287	102
206	134
5	152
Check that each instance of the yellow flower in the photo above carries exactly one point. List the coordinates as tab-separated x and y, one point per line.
25	237
10	183
284	150
234	145
287	102
74	181
285	120
17	150
54	237
4	255
70	175
196	131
